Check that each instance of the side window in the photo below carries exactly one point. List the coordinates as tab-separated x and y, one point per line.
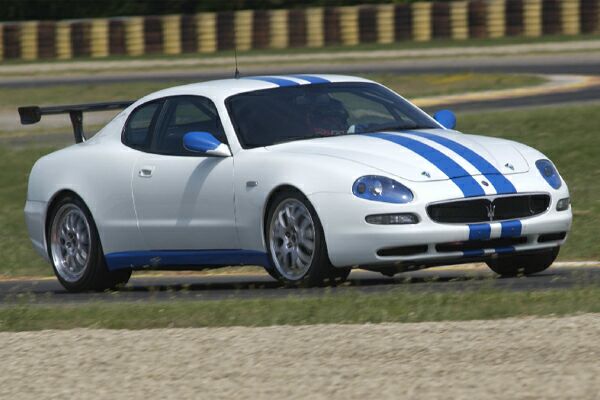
187	114
137	130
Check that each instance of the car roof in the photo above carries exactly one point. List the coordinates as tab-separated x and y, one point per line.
224	88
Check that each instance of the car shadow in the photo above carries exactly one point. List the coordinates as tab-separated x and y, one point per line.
250	283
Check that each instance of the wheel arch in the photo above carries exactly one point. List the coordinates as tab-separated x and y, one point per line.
269	202
56	197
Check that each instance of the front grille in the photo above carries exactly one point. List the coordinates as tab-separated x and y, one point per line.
479	244
480	210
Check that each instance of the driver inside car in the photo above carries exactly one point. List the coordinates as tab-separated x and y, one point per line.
327	117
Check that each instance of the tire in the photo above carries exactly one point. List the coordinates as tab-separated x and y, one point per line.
75	250
296	243
523	264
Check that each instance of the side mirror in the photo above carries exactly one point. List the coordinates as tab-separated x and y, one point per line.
204	142
446	118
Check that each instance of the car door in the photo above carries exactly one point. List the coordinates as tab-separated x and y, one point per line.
185	200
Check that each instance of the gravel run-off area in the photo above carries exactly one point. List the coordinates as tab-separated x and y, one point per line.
527	358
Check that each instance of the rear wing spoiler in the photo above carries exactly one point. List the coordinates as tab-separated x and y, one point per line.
32	114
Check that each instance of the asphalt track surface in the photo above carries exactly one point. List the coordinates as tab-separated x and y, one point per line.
220	287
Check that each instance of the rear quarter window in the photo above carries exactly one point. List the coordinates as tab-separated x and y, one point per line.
137	133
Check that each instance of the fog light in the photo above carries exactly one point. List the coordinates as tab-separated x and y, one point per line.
563	204
392	219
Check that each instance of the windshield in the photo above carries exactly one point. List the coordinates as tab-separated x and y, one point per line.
271	116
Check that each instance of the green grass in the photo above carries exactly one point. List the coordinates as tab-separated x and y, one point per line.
568	135
395	306
11	98
409	85
18	257
422	85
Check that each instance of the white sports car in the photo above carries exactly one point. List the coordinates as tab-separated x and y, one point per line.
306	175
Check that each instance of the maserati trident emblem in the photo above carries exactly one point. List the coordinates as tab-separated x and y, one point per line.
491	211
510	166
425	173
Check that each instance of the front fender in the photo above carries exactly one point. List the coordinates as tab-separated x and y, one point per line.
258	173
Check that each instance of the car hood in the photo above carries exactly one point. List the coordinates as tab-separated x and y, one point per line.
418	155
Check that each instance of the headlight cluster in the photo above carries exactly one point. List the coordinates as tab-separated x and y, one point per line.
380	188
549	173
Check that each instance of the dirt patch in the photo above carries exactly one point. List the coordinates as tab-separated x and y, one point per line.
511	358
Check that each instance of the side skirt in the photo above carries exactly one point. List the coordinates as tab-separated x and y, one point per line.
156	259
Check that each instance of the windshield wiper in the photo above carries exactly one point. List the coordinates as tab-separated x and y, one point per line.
294	138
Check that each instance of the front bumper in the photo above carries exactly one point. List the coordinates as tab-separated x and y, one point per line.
351	241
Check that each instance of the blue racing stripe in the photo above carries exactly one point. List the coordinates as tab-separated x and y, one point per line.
474	253
510	229
311	78
479	231
504	250
282	82
499	181
455	172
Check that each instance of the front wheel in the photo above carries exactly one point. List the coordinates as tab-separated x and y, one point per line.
296	243
75	249
526	264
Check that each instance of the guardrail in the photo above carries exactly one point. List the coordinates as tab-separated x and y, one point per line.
310	27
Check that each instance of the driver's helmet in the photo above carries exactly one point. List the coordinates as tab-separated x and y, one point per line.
327	116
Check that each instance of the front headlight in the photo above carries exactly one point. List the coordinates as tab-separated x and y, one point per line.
380	188
549	173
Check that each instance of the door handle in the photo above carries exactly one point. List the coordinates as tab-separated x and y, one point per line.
146	172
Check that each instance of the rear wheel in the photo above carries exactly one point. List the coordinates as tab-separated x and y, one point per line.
296	243
526	264
75	249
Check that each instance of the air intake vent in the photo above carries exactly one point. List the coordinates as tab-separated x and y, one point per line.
479	244
402	251
552	237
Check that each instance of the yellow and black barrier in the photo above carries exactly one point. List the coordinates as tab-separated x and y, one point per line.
310	27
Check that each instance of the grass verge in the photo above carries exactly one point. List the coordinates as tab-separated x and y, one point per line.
409	85
18	257
395	306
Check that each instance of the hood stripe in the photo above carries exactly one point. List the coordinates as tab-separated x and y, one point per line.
281	82
311	78
499	181
454	171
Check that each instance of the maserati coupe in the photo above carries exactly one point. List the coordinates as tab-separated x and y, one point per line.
308	176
